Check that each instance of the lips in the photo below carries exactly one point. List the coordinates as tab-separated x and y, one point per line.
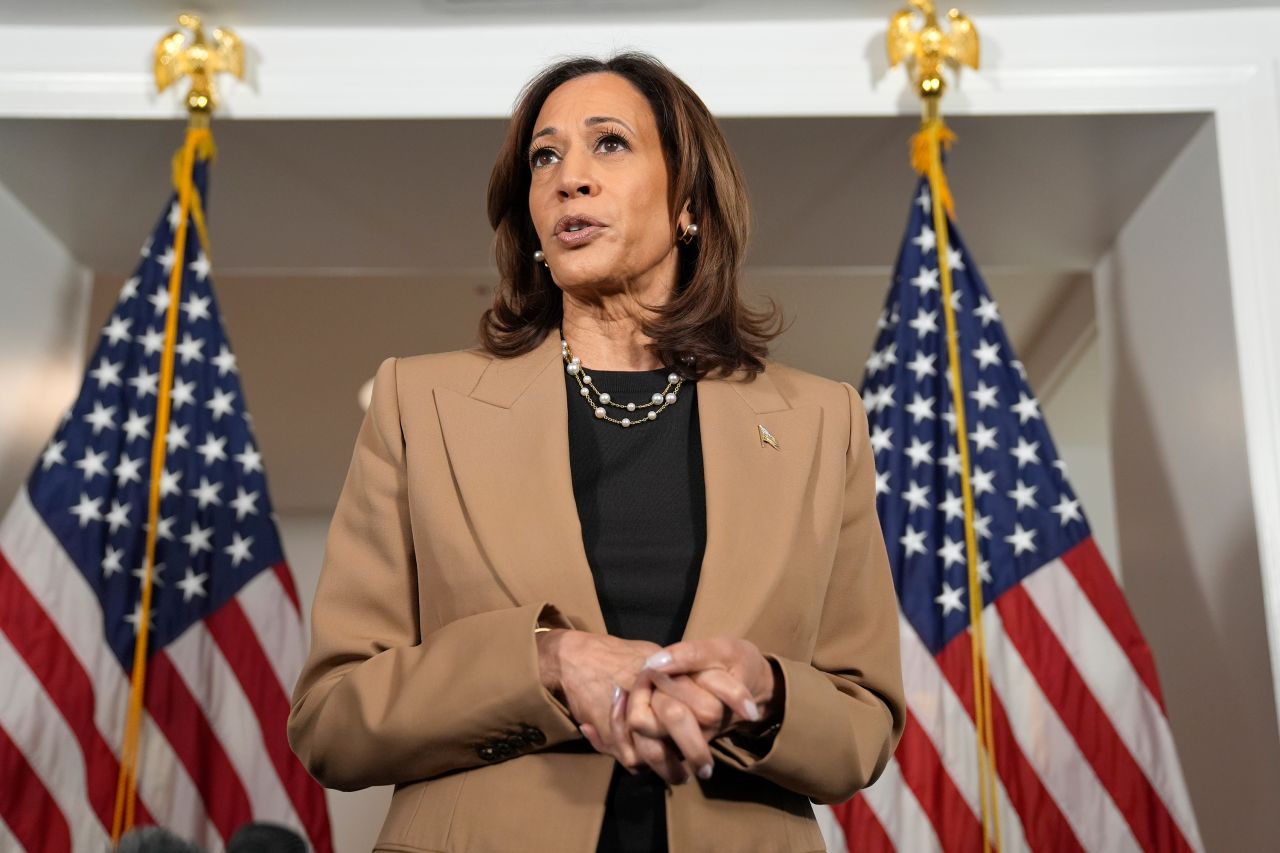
577	229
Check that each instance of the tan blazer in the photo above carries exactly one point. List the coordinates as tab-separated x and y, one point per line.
457	528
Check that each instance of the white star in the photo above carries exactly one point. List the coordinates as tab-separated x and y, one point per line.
926	280
982	526
212	449
956	295
875	363
225	361
130	288
169	483
985	395
91	464
176	437
53	455
922	365
87	510
1026	407
175	216
1026	452
220	404
152	341
200	266
166	260
118	329
193	585
183	393
1024	495
160	299
250	459
925	322
987	310
102	417
190	349
127	470
983	481
1021	540
923	200
1061	465
238	549
164	530
950	417
917	496
245	503
987	354
919	452
951	552
136	425
197	308
926	239
953	506
913	541
111	561
146	248
884	397
950	599
207	493
953	258
869	399
197	538
984	437
952	461
882	322
889	355
135	618
1067	510
119	515
145	383
1022	371
921	408
107	372
879	438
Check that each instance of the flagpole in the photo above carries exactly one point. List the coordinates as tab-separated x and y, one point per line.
929	47
176	56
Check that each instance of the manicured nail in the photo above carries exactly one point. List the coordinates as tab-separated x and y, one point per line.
617	694
753	712
704	771
658	660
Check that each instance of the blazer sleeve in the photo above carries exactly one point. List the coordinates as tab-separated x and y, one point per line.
378	702
843	711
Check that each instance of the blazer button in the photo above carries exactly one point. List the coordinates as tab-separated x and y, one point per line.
487	751
505	748
532	735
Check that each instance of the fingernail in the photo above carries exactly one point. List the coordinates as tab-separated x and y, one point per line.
617	694
657	660
753	712
704	771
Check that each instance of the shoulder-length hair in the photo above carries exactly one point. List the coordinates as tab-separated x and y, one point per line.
704	326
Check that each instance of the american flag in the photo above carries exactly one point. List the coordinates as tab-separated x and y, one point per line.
226	637
1082	748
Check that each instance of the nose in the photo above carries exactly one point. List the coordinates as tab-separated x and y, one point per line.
576	177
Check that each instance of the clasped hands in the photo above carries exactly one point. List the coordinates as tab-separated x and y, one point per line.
650	706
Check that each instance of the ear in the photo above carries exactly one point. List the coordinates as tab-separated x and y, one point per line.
685	218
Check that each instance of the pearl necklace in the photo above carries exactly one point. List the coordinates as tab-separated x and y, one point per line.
658	402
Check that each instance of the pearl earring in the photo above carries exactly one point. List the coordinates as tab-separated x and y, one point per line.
539	256
689	233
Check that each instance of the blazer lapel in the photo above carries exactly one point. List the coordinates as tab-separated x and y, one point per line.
508	445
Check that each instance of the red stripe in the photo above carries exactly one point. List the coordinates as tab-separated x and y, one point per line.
181	719
863	832
286	580
1088	723
1090	571
1043	824
234	635
924	773
26	805
37	640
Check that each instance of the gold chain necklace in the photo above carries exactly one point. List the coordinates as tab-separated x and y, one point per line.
586	385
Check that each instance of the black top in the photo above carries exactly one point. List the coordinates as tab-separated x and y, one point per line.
641	501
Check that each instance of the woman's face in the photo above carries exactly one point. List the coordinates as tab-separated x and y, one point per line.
598	190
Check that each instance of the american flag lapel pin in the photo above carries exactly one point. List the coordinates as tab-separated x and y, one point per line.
766	437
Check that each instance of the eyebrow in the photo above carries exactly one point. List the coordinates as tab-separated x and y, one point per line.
590	122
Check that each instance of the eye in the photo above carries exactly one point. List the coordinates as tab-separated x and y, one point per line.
542	157
612	142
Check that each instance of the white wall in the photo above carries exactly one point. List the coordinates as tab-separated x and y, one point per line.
44	300
1183	506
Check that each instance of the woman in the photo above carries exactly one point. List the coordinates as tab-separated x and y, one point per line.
613	580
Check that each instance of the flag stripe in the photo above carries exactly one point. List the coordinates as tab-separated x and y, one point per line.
42	736
923	772
863	832
46	653
282	573
217	692
1100	587
1052	751
238	643
279	631
26	808
181	720
899	812
1088	723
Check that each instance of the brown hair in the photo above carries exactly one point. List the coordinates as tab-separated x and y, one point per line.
704	326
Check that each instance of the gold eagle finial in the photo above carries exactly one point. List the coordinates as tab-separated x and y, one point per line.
930	47
179	55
